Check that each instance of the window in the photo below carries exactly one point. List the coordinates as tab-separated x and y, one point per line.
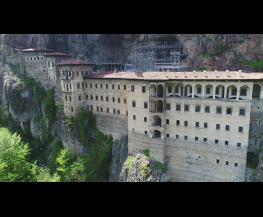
168	106
177	122
217	126
124	87
133	104
53	64
69	73
196	139
178	107
86	85
228	111
134	117
86	72
236	164
133	129
186	108
208	90
65	97
101	109
82	73
242	112
217	91
113	99
90	85
119	86
145	119
185	137
70	86
243	92
234	92
91	97
71	108
100	85
238	144
112	86
227	162
44	70
145	132
70	98
82	85
87	97
77	73
118	112
217	161
97	97
190	89
87	107
167	121
226	142
145	105
97	108
198	89
185	123
227	127
207	109
96	85
169	89
205	125
119	100
126	112
91	108
48	63
132	88
197	108
125	101
205	139
78	86
114	111
177	136
107	98
216	141
196	124
218	110
240	129
106	86
79	97
101	98
108	110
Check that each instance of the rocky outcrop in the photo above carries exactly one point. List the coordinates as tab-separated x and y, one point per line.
117	47
142	170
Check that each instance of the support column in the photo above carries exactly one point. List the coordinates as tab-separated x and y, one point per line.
214	92
203	92
173	91
250	93
164	91
261	94
238	93
229	92
225	91
163	106
193	91
183	90
156	106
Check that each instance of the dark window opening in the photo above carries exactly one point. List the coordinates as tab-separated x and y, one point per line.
108	110
145	105
177	136
177	122
96	85
113	99
186	123
234	92
207	109
132	88
90	85
205	139
101	98
87	97
197	124
227	163
143	89
145	119
186	108
133	104
218	110
106	86
124	86
97	97
236	164
238	144
240	129
112	86
229	111
196	139
167	121
107	98
227	127
145	132
118	111
169	89
178	107
205	125
242	112
197	108
168	106
198	89
101	109
125	101
119	86
79	97
243	92
134	117
208	90
185	137
216	141
119	99
100	85
226	142
217	161
217	126
78	86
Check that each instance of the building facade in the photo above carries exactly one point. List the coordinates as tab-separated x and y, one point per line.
200	124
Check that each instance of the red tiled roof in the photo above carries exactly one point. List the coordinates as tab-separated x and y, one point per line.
209	75
57	54
74	61
37	49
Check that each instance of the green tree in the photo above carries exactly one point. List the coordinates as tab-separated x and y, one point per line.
14	165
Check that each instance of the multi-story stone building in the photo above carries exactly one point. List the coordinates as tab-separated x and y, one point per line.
197	123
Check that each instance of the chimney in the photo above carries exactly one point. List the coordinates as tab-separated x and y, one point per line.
138	73
239	73
115	70
184	74
204	73
227	73
194	73
215	73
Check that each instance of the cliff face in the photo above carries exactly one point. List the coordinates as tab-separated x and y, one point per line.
117	47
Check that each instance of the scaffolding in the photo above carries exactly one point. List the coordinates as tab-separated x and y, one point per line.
107	67
156	56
